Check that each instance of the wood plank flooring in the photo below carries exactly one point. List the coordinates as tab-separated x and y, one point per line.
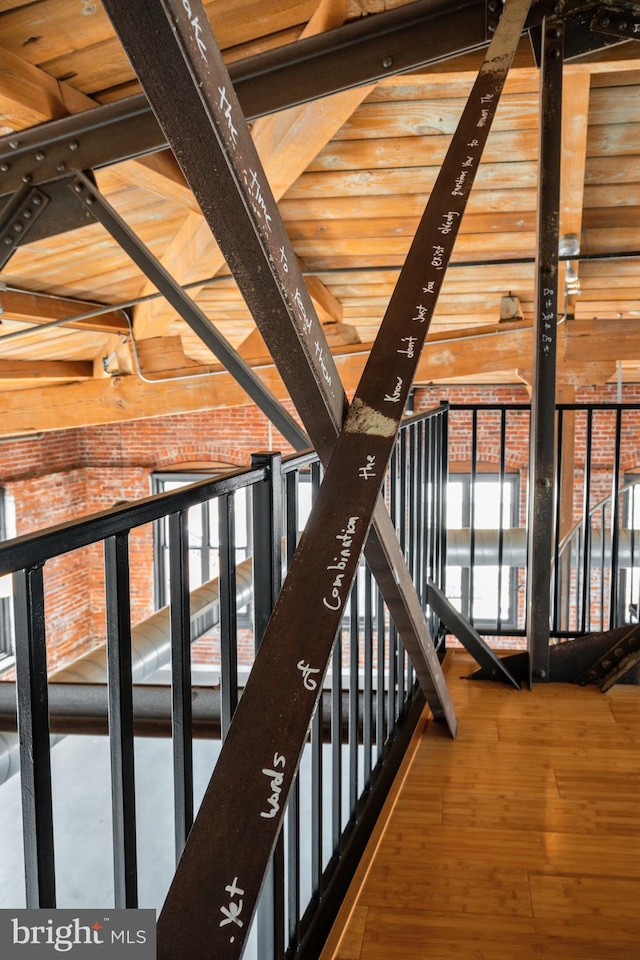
519	840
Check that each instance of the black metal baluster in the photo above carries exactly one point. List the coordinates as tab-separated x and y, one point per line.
368	676
501	481
336	745
293	808
33	730
557	572
120	700
316	803
585	617
393	706
354	697
267	581
228	611
380	676
615	522
472	512
181	718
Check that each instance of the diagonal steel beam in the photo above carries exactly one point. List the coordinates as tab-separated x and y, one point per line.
222	869
203	122
182	303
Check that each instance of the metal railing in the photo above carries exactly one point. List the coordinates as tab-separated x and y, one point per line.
596	553
369	704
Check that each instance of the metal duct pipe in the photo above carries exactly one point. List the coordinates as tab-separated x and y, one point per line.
150	650
514	548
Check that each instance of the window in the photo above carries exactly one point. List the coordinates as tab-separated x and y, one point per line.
203	535
629	553
486	594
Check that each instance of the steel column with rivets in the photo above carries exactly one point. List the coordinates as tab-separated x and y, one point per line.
541	493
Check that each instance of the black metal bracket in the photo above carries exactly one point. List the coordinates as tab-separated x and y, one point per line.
622	21
615	662
18	217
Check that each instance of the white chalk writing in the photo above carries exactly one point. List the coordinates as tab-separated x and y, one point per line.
411	346
437	258
321	359
276	777
457	190
469	162
484	116
255	191
306	671
430	287
487	98
339	563
226	107
421	313
233	911
306	321
283	260
447	223
395	396
474	143
366	471
197	29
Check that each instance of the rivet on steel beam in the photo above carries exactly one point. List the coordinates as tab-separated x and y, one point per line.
39	155
27	214
37	201
556	33
618	652
8	241
27	178
492	6
18	227
5	167
593	674
623	25
14	144
61	167
606	664
540	674
90	200
77	187
387	62
632	641
73	145
555	54
605	22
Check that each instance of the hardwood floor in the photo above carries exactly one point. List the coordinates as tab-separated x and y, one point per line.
519	840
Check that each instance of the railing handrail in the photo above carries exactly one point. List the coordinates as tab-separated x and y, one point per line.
39	546
566	540
34	548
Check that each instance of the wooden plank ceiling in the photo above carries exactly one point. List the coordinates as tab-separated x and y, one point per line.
353	174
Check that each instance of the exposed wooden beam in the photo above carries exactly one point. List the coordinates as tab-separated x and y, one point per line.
46	370
38	308
490	349
286	142
29	96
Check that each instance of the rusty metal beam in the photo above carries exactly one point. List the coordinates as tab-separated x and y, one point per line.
203	122
542	442
222	869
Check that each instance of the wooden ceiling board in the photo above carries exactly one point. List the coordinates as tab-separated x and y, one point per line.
352	212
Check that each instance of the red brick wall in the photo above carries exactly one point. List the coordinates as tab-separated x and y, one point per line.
76	472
